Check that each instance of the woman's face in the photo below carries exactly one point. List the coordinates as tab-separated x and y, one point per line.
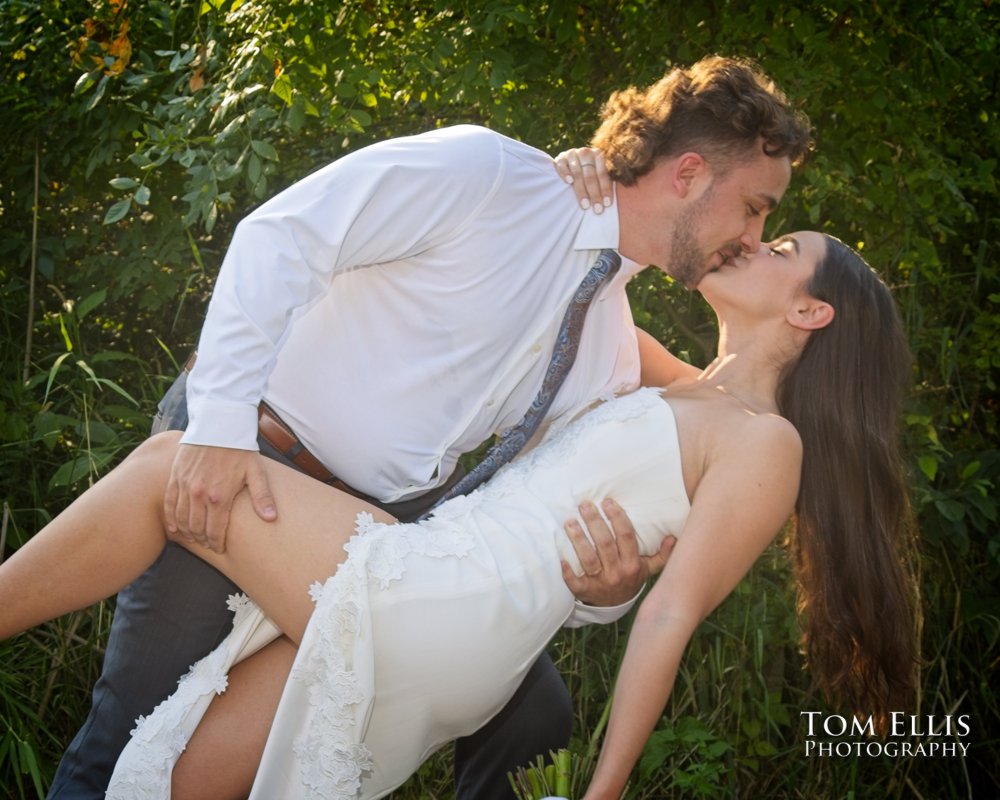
769	281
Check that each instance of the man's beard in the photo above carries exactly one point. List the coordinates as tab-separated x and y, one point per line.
688	264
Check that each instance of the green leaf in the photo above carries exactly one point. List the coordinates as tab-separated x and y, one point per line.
84	82
90	302
98	94
102	382
182	58
255	169
123	183
951	510
142	195
49	424
970	469
985	505
233	125
29	764
88	369
118	211
264	149
362	118
282	88
97	433
71	472
928	466
211	217
761	747
296	117
53	371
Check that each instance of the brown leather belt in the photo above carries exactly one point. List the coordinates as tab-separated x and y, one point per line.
275	432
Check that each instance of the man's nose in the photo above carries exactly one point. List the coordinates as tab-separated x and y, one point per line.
750	240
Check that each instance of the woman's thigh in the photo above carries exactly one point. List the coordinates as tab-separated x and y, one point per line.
276	562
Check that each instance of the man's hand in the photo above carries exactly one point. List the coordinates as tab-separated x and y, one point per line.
613	570
203	482
584	169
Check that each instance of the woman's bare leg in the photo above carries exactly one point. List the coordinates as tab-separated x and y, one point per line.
114	531
103	541
222	756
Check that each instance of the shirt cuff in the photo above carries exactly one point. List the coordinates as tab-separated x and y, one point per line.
601	615
222	424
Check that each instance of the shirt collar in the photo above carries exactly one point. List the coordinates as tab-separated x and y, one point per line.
601	231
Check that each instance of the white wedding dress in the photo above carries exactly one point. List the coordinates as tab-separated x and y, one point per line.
428	628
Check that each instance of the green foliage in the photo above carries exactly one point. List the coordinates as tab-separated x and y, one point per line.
706	775
151	128
549	778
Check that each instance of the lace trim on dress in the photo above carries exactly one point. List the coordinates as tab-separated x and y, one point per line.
339	675
159	738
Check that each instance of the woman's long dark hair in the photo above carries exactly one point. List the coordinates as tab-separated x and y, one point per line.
852	540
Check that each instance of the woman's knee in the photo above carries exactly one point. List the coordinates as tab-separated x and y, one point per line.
158	450
163	442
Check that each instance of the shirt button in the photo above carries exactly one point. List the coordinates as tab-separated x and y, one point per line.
490	402
536	348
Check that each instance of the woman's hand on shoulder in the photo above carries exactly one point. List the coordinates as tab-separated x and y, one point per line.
585	170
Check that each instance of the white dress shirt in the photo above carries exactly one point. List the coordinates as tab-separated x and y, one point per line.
399	306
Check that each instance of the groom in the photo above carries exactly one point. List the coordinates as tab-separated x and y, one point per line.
390	312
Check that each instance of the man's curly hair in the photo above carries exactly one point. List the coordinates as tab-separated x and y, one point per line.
719	107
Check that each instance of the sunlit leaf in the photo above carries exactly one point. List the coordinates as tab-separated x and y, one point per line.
84	82
282	87
264	149
928	466
118	211
102	86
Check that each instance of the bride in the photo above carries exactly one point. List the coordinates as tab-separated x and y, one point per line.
365	645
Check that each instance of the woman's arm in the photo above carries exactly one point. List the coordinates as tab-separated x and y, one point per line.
658	366
742	500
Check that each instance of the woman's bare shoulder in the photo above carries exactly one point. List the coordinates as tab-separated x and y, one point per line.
765	436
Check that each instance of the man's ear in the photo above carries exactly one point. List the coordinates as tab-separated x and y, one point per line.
687	169
810	314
